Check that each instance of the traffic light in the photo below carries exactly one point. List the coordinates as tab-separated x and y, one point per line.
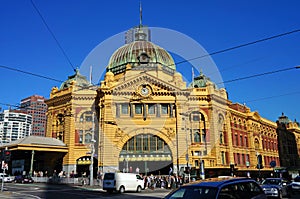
231	169
259	162
7	155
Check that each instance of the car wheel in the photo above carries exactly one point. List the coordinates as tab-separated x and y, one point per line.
280	195
139	189
122	189
109	190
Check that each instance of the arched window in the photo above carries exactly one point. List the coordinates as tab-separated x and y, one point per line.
197	137
256	143
145	143
87	138
221	138
221	128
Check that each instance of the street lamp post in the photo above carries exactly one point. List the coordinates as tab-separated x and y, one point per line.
92	152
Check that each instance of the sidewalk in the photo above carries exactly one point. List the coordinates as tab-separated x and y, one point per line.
99	188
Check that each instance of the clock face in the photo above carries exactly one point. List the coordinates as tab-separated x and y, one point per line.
144	91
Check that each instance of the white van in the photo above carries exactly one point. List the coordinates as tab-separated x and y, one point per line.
122	182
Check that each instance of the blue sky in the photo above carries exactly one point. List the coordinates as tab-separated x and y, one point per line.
81	25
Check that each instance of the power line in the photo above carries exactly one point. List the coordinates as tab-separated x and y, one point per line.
52	34
213	53
274	96
260	74
29	73
240	46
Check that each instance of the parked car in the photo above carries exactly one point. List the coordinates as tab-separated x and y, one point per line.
219	188
294	186
275	187
5	177
23	179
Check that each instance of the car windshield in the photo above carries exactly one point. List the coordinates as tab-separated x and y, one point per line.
297	179
271	182
194	192
109	176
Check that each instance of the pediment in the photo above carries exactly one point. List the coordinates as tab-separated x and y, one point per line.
255	115
134	84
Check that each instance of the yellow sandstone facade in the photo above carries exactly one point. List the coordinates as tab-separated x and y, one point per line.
145	118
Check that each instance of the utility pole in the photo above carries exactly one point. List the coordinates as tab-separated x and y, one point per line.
92	151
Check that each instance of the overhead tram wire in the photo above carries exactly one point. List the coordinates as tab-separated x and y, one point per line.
29	73
213	53
258	75
272	97
240	46
52	34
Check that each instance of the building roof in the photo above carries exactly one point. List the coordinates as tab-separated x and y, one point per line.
36	140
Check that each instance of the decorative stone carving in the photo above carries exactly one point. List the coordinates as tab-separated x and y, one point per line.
118	133
171	132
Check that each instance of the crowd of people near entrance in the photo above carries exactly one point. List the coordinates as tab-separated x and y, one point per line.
164	182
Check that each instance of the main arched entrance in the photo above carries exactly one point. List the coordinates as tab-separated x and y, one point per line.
146	154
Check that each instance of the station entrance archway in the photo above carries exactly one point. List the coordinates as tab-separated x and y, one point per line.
146	154
83	166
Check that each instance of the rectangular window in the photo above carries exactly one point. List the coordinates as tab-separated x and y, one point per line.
164	109
88	118
223	157
203	136
241	140
131	145
152	143
196	163
139	143
138	109
196	118
246	141
124	109
151	109
145	143
160	145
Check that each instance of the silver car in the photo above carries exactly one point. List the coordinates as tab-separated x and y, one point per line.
5	177
275	187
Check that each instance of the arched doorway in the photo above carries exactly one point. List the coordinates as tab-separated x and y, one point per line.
83	166
146	154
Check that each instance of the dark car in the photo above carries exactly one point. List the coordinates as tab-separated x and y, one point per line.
219	188
23	179
275	187
294	186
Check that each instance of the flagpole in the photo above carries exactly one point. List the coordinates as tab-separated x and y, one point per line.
141	14
193	76
91	68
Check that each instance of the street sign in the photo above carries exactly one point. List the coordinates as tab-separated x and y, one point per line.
273	163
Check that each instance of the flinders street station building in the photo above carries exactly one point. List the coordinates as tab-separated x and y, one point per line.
143	117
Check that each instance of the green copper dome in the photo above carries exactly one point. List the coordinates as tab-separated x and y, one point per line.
200	81
78	78
131	53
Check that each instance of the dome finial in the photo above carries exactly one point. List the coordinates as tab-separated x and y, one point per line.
141	14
